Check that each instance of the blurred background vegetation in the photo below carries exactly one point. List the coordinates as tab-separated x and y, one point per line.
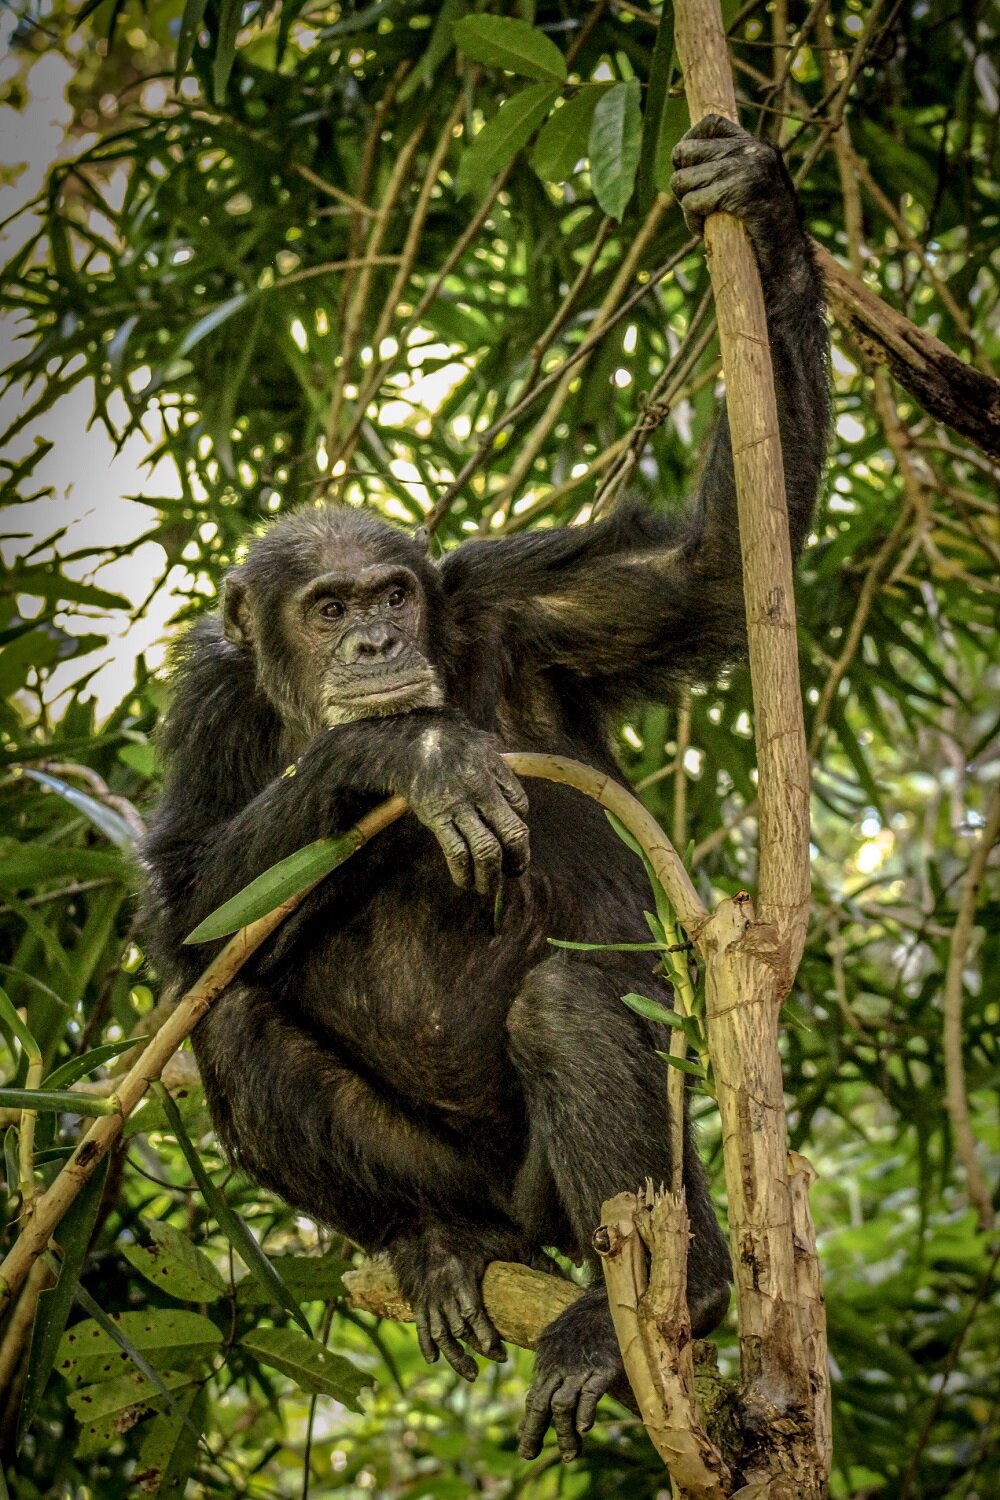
253	252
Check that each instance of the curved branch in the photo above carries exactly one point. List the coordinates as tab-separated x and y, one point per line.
97	1141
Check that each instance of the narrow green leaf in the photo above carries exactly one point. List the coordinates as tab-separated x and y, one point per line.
655	112
110	823
313	1368
30	864
16	1028
653	1010
615	143
607	947
176	1266
73	1236
230	14
682	1064
278	883
242	1241
563	139
503	136
502	42
441	43
211	320
191	21
79	1067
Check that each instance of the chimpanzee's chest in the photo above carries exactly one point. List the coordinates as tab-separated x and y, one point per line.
413	978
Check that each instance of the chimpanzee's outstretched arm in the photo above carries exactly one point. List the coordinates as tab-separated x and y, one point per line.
638	602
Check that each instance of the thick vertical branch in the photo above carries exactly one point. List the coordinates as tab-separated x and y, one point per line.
781	747
750	963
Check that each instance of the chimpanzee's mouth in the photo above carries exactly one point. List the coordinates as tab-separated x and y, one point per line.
394	696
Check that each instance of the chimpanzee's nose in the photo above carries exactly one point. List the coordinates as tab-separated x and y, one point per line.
375	643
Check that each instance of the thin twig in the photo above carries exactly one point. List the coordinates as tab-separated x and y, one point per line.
956	1097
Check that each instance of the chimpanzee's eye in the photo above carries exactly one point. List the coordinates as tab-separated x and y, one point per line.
397	598
332	609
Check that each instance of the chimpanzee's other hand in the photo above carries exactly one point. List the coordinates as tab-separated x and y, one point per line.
440	1271
576	1363
463	791
720	168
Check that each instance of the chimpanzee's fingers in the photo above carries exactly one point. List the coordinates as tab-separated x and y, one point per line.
537	1415
512	789
487	856
593	1389
456	852
512	834
481	1334
428	1348
463	1364
564	1404
688	153
711	127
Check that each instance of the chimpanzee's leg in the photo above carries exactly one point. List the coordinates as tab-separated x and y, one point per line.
597	1102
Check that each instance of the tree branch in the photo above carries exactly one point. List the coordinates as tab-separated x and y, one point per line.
945	386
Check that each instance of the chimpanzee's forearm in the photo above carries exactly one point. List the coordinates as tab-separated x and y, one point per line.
800	361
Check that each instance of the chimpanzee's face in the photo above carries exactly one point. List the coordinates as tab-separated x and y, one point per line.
349	642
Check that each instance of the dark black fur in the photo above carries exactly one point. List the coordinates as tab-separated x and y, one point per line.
390	1063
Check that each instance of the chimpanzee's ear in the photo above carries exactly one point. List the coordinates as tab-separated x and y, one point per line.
236	617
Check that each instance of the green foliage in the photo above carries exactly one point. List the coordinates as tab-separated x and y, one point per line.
217	275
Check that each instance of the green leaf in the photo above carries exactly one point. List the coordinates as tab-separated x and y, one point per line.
502	42
169	1447
563	139
615	143
441	43
176	1266
653	1010
166	1337
242	1241
110	823
278	883
608	947
191	22
503	136
310	1278
43	583
683	1065
30	864
655	143
313	1368
79	1067
107	1410
17	1029
32	652
213	319
73	1237
230	15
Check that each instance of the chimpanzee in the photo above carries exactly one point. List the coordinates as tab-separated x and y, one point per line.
395	1062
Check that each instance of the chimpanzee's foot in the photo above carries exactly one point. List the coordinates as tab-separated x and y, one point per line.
576	1363
440	1271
